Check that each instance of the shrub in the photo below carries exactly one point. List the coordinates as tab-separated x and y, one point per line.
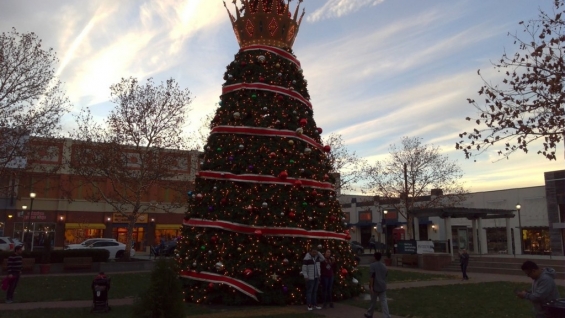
56	256
164	298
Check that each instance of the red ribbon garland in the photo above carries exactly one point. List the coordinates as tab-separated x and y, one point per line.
221	279
266	87
246	130
257	178
275	50
268	231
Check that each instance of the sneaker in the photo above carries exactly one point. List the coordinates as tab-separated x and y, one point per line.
331	305
310	307
317	307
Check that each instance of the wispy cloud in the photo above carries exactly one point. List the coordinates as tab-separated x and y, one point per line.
339	8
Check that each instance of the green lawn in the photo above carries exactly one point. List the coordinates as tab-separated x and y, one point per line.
396	276
495	299
54	288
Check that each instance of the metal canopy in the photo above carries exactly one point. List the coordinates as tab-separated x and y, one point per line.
469	213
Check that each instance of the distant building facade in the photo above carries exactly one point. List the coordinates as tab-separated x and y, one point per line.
67	217
540	210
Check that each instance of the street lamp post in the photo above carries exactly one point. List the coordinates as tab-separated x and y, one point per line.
30	235
24	208
385	228
518	207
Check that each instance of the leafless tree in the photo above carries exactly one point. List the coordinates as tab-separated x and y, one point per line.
528	105
138	152
32	103
344	162
415	169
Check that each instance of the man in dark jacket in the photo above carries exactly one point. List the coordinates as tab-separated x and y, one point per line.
14	270
543	290
377	287
464	262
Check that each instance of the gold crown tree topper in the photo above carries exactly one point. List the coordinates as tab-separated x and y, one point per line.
265	22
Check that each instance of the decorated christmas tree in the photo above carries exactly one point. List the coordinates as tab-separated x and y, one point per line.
264	193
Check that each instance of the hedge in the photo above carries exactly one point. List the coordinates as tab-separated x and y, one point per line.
98	255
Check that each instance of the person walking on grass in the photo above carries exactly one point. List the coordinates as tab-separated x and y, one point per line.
311	272
15	263
377	287
464	262
543	289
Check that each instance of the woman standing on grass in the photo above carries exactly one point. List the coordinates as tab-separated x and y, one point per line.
328	269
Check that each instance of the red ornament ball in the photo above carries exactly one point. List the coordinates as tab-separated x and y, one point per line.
272	155
326	177
211	286
214	239
298	183
199	196
319	129
327	148
283	175
314	193
224	201
303	122
332	218
343	271
258	232
247	272
291	214
280	97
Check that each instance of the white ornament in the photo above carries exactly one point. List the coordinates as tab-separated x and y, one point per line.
265	204
320	246
236	115
241	147
194	264
230	76
261	58
299	131
310	218
285	261
293	82
355	281
307	151
219	265
282	213
210	252
265	108
280	74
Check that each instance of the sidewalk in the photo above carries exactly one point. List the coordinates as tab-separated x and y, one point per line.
340	310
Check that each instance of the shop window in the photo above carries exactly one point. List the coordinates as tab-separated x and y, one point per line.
165	235
77	236
496	240
536	241
365	216
138	237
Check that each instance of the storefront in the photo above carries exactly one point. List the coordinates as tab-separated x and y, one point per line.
166	232
536	240
76	233
139	235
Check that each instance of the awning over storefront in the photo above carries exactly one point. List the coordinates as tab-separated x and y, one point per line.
168	226
97	226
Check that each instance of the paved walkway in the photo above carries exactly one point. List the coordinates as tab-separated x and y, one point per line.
340	310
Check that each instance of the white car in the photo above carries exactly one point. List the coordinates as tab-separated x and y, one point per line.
6	244
116	249
87	243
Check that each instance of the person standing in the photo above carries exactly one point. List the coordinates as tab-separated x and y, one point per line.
464	262
543	289
377	287
311	272
372	244
328	270
15	263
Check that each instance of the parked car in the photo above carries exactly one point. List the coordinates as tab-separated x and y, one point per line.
6	244
88	242
116	249
356	248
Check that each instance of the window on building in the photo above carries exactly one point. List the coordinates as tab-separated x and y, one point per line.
365	216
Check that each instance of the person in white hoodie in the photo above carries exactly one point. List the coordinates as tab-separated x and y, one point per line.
543	290
311	272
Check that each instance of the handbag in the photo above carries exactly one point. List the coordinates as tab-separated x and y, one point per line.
6	283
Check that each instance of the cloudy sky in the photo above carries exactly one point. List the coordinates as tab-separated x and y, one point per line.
377	70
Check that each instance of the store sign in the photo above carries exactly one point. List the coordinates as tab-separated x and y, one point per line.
425	247
120	218
406	247
35	215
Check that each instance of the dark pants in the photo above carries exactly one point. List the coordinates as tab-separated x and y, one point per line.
327	283
312	291
372	246
464	271
12	287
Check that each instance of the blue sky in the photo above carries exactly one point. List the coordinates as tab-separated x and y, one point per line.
377	70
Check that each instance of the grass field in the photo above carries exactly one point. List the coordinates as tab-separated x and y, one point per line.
494	299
